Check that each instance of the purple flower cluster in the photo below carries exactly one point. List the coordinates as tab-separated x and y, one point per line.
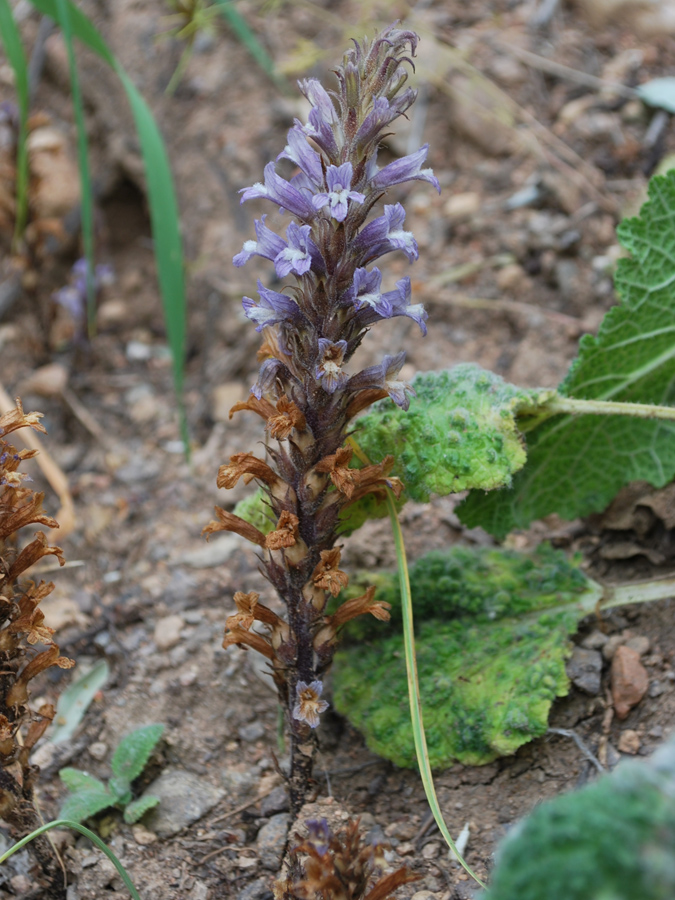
329	249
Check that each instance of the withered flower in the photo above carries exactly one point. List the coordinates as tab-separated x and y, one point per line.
245	615
350	609
327	576
337	465
285	534
287	417
227	521
309	705
248	466
243	638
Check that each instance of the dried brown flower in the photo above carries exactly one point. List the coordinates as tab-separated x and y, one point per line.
327	576
285	534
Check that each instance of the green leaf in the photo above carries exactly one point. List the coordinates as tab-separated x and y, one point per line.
11	41
161	195
659	92
460	431
87	198
491	653
138	808
134	751
74	701
577	465
85	803
77	780
611	840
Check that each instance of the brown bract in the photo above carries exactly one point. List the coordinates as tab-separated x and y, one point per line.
356	483
350	609
248	466
285	534
227	521
327	576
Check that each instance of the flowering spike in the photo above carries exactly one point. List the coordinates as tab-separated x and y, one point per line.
306	391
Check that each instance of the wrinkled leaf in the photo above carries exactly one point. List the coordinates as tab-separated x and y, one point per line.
85	803
459	433
74	701
77	780
138	808
659	92
577	465
133	752
491	650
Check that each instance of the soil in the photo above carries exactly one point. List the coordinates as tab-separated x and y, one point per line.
537	167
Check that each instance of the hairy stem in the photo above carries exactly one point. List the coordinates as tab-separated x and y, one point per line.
576	406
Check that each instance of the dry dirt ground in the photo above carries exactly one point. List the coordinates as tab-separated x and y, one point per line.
537	165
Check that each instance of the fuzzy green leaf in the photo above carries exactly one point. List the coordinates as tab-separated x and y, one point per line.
491	650
459	433
133	752
77	780
577	465
612	840
138	808
74	701
86	802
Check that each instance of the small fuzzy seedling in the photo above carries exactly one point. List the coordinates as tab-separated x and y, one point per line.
612	840
90	796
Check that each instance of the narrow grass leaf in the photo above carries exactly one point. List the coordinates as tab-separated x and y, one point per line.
94	838
86	190
161	196
11	40
245	35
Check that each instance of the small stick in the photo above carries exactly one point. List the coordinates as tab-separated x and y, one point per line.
238	809
52	472
570	733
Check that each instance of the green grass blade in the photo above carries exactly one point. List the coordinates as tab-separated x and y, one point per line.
411	666
87	199
245	35
413	686
11	40
161	196
94	838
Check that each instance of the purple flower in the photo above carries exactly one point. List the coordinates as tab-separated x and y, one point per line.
309	706
299	152
385	377
272	309
338	180
365	292
270	371
319	97
269	245
408	168
329	368
319	835
401	306
323	134
385	234
297	256
278	190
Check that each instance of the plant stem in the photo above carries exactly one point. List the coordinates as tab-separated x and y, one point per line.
577	406
640	592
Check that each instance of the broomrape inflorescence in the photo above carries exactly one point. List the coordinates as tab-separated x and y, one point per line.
304	392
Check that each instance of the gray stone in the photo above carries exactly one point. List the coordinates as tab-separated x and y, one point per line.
252	732
596	640
215	553
183	799
138	470
255	890
276	802
272	840
584	669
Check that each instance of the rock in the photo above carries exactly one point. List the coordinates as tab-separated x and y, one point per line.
460	206
276	802
168	632
656	688
255	890
609	649
98	750
215	553
584	668
253	732
629	742
47	381
272	840
421	895
431	851
629	680
224	397
113	313
596	640
139	470
183	799
143	836
62	611
639	643
512	278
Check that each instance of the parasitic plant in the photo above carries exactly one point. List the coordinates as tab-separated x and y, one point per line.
330	297
22	626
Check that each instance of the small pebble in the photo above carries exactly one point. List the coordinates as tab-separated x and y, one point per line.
639	643
168	632
143	836
98	750
629	742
